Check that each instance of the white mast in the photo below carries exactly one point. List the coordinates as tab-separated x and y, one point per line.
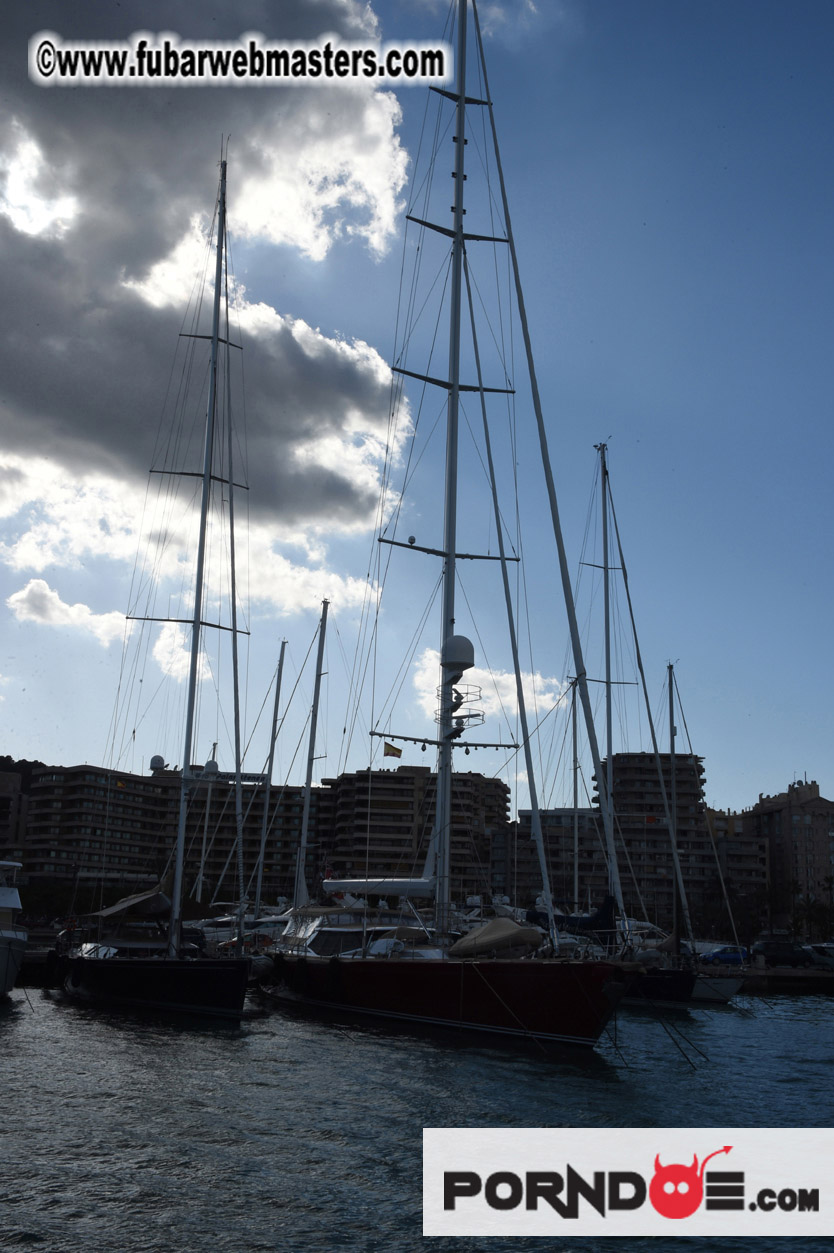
672	811
564	569
176	902
673	791
535	814
450	671
608	795
268	780
198	887
667	810
235	661
300	895
575	799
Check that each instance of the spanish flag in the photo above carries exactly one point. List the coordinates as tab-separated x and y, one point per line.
391	750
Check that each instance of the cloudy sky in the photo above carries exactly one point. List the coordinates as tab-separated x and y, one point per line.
669	169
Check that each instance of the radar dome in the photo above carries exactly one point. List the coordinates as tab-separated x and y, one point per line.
458	653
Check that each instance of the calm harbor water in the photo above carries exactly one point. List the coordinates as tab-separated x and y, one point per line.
126	1135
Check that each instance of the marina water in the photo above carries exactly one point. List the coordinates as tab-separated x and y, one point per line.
135	1135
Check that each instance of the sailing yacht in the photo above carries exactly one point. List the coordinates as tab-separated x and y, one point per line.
359	957
709	988
13	938
664	981
171	973
671	978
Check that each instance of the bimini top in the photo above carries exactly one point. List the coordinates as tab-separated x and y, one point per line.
381	887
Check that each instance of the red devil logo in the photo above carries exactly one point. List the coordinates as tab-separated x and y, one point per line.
676	1191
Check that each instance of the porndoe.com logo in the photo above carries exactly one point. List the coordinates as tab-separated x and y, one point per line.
627	1181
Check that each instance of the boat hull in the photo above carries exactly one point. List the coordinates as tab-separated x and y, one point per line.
713	989
767	979
560	1002
13	942
654	988
205	986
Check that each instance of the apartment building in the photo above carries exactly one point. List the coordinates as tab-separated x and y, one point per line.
106	833
382	820
744	858
573	842
90	828
797	826
646	865
644	854
90	824
13	809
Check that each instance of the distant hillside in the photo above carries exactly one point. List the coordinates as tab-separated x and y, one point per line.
8	765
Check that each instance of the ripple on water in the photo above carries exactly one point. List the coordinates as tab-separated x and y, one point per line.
135	1136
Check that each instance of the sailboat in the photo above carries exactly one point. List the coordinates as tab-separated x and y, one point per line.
503	980
171	973
673	980
667	982
709	988
13	938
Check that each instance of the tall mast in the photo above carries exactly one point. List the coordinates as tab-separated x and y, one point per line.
235	654
198	887
535	812
673	790
564	569
606	575
449	674
680	887
575	799
208	455
639	658
300	895
268	779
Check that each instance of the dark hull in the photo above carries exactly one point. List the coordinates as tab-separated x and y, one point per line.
558	1002
205	986
12	950
784	979
661	987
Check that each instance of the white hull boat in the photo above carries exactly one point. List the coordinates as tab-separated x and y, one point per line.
13	938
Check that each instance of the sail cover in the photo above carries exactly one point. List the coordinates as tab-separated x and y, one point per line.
155	903
497	934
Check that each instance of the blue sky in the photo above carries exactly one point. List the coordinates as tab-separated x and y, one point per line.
669	171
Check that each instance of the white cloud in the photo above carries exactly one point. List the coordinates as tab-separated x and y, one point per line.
172	653
517	22
320	179
287	587
67	519
22	200
327	179
37	602
498	688
100	288
66	524
169	279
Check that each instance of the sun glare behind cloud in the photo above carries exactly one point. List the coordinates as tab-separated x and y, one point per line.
21	200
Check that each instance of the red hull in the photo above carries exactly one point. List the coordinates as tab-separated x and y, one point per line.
547	1001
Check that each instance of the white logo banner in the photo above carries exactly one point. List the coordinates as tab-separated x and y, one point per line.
613	1181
